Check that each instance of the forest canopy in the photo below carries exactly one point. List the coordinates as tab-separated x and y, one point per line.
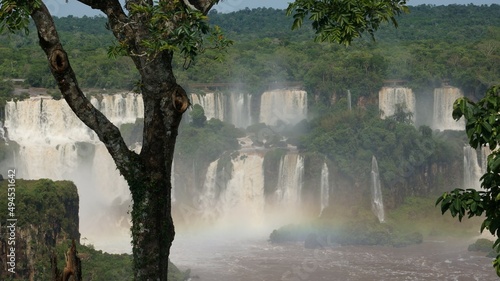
455	42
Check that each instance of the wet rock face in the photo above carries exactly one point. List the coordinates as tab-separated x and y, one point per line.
46	215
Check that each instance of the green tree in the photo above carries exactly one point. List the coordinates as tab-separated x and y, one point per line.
483	130
150	32
198	116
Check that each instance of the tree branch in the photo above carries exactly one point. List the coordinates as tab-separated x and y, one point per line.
119	22
68	85
203	6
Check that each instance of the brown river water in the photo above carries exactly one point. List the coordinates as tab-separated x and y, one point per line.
214	258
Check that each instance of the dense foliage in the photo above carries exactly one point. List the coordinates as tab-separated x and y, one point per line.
44	203
46	213
432	43
351	138
207	141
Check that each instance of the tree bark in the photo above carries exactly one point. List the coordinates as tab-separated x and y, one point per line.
73	269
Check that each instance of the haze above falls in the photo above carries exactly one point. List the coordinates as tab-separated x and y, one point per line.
54	144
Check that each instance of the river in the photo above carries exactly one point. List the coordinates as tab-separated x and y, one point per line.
215	258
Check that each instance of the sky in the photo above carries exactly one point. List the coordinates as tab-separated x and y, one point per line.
60	8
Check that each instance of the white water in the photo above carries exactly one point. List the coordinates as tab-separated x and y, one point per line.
121	108
208	201
237	202
288	106
243	200
472	170
55	144
443	108
485	152
289	188
349	100
2	132
325	188
390	97
377	200
234	108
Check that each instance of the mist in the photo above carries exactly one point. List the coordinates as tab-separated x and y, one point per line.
320	167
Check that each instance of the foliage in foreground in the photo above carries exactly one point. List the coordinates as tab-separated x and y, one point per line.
482	128
101	266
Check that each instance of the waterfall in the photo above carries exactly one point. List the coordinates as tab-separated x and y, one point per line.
240	200
390	98
289	106
485	152
212	103
377	201
472	170
349	105
2	133
208	202
443	107
289	188
43	120
240	113
121	108
55	144
244	194
234	108
325	188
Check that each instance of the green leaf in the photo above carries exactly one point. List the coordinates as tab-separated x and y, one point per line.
494	164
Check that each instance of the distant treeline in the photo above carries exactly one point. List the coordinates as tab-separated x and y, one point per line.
457	42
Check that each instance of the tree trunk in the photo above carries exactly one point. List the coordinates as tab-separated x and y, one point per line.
147	174
153	229
73	269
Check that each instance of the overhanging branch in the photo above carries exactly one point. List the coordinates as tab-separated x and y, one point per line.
67	83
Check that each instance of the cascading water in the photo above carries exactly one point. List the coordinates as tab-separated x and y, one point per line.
234	108
208	199
289	106
244	194
472	169
443	107
291	172
377	200
390	97
55	144
228	200
349	105
240	110
2	132
485	152
212	103
325	188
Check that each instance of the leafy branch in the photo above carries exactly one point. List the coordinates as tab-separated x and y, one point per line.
174	27
482	125
341	21
14	15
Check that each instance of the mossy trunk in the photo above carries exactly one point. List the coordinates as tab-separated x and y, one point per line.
153	229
